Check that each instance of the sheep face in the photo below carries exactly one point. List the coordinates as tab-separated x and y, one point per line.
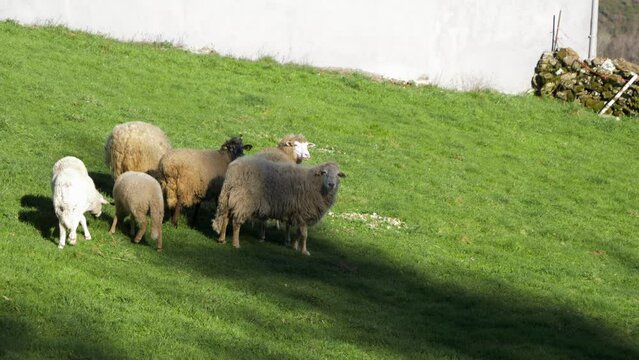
330	174
301	150
96	205
235	147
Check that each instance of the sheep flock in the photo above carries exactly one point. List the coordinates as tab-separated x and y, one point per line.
153	179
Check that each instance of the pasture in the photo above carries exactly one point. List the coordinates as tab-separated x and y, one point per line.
471	225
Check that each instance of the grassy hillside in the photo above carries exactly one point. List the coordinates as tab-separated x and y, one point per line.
618	29
520	235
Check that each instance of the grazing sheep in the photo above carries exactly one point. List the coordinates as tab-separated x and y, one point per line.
135	146
257	188
68	162
293	149
136	194
190	176
74	194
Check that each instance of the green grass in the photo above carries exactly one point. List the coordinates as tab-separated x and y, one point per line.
521	236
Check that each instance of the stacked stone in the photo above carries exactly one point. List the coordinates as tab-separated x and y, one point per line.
562	74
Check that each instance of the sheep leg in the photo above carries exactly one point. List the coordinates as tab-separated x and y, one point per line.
131	225
303	236
85	228
236	233
113	225
176	214
196	210
63	235
141	230
287	236
262	231
225	223
159	241
72	233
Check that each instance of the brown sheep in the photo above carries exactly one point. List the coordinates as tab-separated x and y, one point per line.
261	189
190	176
135	146
136	194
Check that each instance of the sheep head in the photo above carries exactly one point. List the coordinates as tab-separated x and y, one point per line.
235	147
299	144
330	174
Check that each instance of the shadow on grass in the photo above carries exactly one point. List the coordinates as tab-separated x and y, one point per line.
374	304
19	339
38	211
103	182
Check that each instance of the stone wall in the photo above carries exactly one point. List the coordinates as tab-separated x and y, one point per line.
562	74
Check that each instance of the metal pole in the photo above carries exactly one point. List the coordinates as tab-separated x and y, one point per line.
618	95
592	37
552	42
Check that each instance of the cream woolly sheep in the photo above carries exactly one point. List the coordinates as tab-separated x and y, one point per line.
74	193
135	146
68	162
257	188
292	148
136	194
190	176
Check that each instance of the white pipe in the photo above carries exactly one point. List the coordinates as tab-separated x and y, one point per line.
623	89
594	23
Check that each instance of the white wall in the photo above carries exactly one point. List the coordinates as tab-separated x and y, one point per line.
454	43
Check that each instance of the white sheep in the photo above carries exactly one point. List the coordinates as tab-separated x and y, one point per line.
68	162
74	193
262	189
190	176
135	146
136	194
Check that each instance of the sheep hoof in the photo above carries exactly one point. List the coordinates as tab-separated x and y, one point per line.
305	252
72	241
88	238
261	240
236	246
60	247
159	250
137	241
221	241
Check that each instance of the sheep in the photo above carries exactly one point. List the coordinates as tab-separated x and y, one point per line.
74	193
293	149
135	146
136	194
258	188
68	162
190	176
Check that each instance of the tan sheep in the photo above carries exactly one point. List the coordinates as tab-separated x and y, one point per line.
136	194
292	148
261	189
135	146
190	176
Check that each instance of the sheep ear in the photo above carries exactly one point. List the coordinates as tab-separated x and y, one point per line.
248	147
341	174
289	143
